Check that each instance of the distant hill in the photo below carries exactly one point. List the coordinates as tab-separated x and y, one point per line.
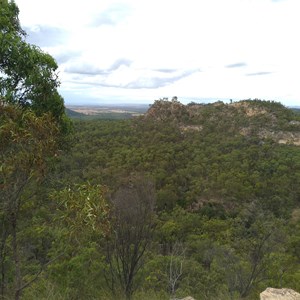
296	110
74	114
265	119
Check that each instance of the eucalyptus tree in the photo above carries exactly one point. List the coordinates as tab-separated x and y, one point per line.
33	127
28	76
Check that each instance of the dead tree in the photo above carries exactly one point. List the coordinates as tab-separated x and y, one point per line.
132	227
176	267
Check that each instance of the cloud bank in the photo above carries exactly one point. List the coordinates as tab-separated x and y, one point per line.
139	49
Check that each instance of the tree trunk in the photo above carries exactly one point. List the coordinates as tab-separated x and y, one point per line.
16	256
2	256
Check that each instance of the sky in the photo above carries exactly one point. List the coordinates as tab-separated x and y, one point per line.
137	51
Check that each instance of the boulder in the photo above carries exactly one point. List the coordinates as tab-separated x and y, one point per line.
279	294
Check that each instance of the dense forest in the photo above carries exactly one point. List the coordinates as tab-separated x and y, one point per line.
197	199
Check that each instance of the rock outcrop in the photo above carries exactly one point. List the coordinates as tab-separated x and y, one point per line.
279	294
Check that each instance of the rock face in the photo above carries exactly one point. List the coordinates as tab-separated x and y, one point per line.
279	294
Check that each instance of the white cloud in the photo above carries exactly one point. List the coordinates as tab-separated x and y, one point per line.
254	37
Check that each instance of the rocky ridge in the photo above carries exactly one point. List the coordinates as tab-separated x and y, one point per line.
264	119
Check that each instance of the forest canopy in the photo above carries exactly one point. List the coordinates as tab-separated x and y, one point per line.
226	179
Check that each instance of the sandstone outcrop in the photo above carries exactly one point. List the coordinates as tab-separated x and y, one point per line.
279	294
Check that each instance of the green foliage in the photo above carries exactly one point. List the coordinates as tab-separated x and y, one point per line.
226	216
28	75
222	192
33	127
209	170
9	18
83	209
29	143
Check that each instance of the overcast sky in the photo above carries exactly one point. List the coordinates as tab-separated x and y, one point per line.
130	51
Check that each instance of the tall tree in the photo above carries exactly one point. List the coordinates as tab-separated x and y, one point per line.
33	126
27	141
